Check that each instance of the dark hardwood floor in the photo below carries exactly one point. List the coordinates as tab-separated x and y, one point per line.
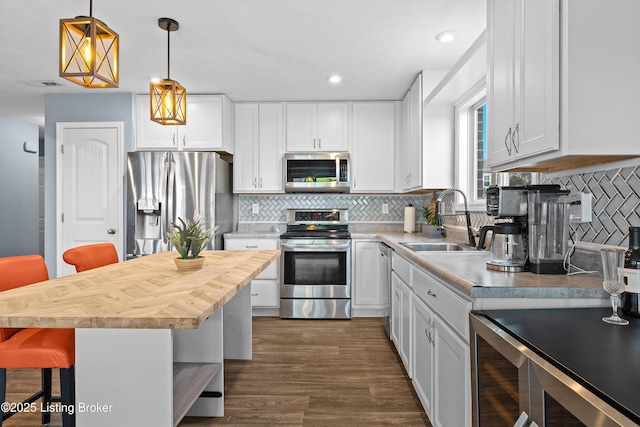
303	373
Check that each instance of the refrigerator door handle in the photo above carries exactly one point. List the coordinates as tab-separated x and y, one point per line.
165	223
171	181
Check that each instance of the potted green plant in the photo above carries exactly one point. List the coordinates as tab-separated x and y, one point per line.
431	227
189	238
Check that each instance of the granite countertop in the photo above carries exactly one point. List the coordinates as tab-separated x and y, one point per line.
466	272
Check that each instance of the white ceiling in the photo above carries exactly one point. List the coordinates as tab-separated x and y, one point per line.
252	50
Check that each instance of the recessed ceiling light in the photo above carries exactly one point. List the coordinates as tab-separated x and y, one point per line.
446	36
335	79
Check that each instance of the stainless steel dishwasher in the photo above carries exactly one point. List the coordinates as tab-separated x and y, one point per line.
385	278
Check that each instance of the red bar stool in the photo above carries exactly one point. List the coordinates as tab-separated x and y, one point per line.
44	348
91	256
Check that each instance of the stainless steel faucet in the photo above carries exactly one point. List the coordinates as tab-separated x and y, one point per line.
439	214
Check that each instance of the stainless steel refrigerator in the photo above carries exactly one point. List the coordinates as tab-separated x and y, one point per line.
162	186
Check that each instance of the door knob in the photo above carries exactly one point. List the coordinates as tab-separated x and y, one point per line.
111	231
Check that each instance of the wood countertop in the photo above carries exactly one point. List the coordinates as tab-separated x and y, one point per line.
144	293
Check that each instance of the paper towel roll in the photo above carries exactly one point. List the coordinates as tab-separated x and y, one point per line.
409	219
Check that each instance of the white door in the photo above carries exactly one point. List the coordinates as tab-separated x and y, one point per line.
90	205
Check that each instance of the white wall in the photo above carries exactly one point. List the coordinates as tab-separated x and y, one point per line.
18	188
89	107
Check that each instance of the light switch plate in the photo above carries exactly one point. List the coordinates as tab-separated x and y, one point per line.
255	208
385	208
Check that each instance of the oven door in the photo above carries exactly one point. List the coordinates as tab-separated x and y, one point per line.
315	268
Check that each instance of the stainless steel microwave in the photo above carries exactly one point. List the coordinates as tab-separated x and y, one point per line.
316	172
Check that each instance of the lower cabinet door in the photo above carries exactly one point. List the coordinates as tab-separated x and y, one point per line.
452	385
264	293
423	354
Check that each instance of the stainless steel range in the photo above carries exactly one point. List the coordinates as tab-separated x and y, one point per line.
315	279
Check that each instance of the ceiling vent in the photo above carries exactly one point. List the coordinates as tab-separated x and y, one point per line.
39	83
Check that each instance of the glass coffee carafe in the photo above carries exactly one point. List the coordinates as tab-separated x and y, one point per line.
508	248
548	215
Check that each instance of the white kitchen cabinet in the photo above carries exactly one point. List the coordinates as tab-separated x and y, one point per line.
401	320
257	163
401	310
411	170
523	79
265	288
317	127
373	147
423	355
209	126
558	85
369	296
452	377
440	320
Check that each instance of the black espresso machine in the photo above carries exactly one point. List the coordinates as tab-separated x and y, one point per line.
530	230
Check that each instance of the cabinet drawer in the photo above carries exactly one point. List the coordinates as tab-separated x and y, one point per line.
264	293
402	267
271	272
450	307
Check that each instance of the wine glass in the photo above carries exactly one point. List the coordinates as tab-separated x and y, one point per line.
613	284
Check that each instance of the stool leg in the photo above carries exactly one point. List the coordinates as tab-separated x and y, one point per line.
3	388
68	395
46	395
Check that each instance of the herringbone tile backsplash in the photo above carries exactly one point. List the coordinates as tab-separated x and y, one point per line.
616	206
616	203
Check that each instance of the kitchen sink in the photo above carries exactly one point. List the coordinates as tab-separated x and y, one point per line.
433	246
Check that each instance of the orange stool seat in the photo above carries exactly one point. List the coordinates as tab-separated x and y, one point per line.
39	348
91	256
42	348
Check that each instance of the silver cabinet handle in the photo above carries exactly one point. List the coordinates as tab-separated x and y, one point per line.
173	139
506	144
184	140
111	231
516	131
254	295
319	143
255	182
251	246
431	294
314	143
260	182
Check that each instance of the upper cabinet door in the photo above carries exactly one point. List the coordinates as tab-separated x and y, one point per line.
523	113
373	147
204	123
500	79
317	127
149	134
302	127
271	144
245	159
333	127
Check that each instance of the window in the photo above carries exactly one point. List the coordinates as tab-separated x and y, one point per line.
473	175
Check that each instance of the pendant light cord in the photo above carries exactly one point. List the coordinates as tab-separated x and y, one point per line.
169	52
90	8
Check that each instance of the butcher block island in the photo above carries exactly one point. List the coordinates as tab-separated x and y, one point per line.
150	340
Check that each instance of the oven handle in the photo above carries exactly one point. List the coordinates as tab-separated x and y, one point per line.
311	248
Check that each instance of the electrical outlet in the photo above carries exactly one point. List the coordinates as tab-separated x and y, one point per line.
586	199
385	208
255	208
580	211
